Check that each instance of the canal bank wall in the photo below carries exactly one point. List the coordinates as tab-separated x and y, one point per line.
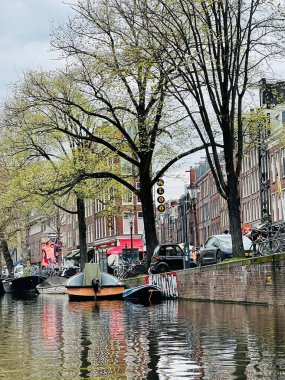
259	280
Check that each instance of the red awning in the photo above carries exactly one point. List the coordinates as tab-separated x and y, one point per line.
137	243
104	245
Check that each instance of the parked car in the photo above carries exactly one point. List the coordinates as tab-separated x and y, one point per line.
168	257
219	247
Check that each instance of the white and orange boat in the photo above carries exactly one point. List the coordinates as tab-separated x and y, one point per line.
92	284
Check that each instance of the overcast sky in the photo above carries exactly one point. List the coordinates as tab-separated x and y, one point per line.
25	28
25	31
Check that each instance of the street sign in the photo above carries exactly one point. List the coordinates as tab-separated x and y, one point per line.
160	182
161	208
160	199
109	218
160	191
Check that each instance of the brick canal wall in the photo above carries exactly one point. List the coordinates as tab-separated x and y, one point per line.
256	280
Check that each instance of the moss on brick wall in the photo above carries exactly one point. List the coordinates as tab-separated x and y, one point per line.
257	280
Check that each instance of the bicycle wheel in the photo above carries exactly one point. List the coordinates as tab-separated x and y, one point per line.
281	245
140	269
265	249
116	272
119	272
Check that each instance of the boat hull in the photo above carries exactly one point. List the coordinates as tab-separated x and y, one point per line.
2	291
52	290
86	293
110	288
22	285
53	285
143	293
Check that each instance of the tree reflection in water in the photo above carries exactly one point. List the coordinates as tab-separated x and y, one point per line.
51	338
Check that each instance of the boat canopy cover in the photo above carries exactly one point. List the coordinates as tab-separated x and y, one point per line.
72	254
53	281
91	270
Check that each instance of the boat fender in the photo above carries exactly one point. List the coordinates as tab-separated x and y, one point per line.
96	285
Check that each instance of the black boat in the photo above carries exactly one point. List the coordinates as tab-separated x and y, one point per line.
143	293
2	291
22	285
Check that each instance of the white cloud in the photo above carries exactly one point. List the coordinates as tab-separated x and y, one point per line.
25	30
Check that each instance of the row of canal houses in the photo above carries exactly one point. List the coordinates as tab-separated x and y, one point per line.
197	214
201	211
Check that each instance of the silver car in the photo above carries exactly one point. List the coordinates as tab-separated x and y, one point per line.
219	247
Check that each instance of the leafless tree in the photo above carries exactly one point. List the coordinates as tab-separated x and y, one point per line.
116	76
217	49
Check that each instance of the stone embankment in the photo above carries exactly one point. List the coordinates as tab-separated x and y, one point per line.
259	280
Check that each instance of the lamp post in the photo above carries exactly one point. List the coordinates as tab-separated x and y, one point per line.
183	208
131	218
193	194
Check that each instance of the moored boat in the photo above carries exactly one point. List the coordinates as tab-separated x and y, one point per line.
2	291
22	285
52	285
143	293
91	284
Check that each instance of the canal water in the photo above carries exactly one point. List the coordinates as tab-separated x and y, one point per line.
48	337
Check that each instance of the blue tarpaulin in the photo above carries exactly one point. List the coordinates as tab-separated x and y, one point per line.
18	262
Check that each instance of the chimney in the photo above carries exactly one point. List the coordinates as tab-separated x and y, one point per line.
192	175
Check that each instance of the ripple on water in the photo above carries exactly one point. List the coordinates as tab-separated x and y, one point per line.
52	338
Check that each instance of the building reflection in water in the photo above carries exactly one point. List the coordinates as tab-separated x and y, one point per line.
238	341
50	337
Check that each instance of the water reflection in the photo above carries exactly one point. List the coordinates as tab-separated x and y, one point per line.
48	337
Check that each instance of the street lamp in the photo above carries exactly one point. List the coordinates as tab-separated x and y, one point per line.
193	195
131	218
186	261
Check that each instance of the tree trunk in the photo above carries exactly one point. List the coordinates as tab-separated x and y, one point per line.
234	215
26	249
7	257
148	215
58	239
82	232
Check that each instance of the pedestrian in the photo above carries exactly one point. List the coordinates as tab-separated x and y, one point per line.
266	217
194	254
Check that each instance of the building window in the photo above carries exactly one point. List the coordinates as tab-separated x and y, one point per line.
88	208
280	209
90	233
274	208
127	197
283	165
140	223
126	167
69	239
138	187
277	166
273	169
96	228
206	215
126	224
68	218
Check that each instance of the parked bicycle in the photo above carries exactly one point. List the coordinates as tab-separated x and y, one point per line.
268	239
126	269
